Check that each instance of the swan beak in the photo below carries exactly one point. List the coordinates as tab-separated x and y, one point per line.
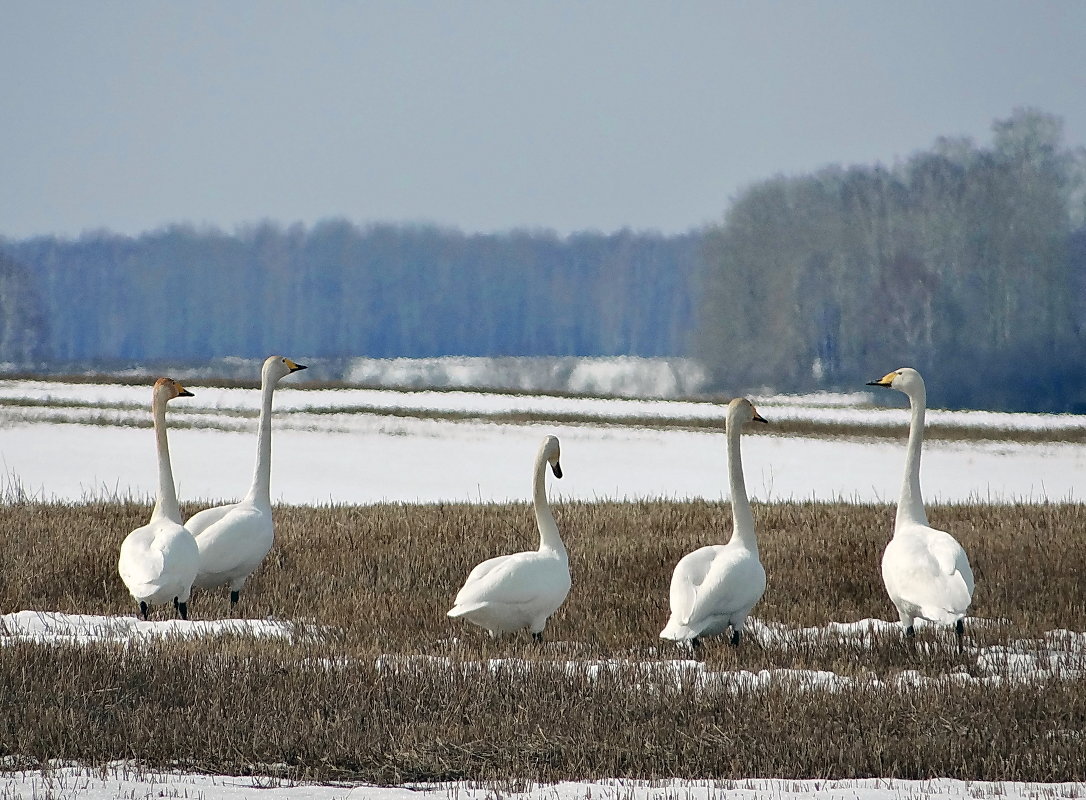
885	380
556	468
759	418
292	366
183	392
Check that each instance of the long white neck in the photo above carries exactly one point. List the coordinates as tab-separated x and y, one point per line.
910	505
742	518
166	499
549	538
260	491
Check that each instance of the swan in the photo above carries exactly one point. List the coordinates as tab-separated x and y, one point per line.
507	593
716	586
233	539
926	571
159	560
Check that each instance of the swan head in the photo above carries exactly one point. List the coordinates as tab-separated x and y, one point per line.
276	367
741	411
905	380
551	453
167	389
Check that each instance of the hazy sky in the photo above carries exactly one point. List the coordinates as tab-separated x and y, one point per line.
492	115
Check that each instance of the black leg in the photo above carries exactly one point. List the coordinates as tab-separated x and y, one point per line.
175	605
143	609
234	598
695	643
959	629
183	610
736	635
909	632
537	637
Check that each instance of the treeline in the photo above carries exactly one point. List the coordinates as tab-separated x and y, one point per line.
337	289
966	262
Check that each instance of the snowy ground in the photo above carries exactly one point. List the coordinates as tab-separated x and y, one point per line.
1060	654
350	446
123	781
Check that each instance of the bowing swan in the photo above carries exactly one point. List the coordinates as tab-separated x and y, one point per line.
521	590
716	586
159	560
233	539
926	571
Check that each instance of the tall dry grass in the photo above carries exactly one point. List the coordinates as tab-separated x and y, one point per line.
389	689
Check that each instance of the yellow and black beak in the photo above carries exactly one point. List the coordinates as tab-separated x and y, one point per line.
885	380
292	366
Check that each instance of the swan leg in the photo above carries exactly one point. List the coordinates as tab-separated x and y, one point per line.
143	609
736	636
695	643
959	630
234	596
910	632
537	637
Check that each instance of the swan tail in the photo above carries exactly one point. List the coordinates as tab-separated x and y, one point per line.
677	631
465	608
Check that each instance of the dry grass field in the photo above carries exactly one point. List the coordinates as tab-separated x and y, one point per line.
378	685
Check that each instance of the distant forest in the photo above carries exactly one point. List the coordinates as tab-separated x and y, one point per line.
966	261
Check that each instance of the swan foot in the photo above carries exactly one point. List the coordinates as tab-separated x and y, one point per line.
143	609
234	596
736	636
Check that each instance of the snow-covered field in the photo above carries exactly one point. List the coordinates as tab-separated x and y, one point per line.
76	441
364	446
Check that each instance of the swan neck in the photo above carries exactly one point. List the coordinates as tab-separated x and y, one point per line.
742	517
910	505
549	538
166	500
260	492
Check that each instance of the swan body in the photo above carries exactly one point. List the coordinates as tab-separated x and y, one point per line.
925	570
158	561
521	590
233	539
715	587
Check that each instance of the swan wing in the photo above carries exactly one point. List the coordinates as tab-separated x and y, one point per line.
202	520
520	579
688	576
235	545
734	583
160	557
927	570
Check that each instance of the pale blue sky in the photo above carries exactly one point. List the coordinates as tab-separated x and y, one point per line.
487	116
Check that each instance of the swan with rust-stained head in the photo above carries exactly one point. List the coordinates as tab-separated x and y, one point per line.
521	590
159	560
926	571
233	539
715	587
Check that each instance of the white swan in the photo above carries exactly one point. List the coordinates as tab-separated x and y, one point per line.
233	539
926	571
159	560
715	587
521	590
